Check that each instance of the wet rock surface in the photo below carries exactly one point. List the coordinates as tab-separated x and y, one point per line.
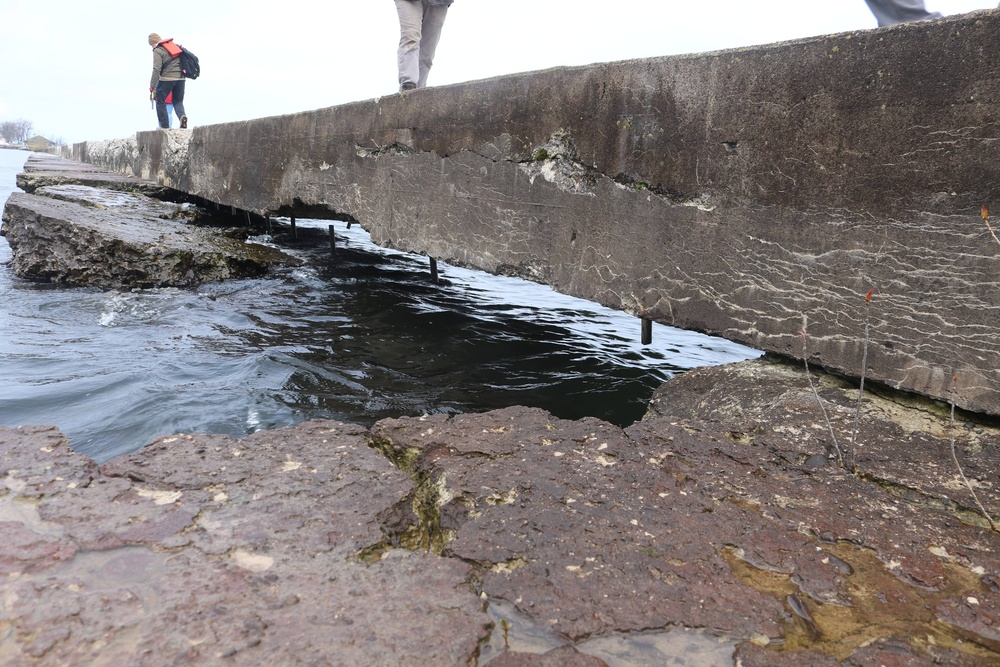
720	530
46	170
83	227
204	549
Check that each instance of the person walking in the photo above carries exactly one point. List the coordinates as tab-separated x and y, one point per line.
167	80
891	12
420	23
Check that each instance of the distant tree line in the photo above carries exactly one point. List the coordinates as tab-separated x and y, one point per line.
15	131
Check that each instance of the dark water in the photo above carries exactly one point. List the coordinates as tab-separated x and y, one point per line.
358	338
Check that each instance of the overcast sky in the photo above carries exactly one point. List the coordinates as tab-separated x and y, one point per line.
79	69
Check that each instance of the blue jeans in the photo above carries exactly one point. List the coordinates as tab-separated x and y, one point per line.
164	88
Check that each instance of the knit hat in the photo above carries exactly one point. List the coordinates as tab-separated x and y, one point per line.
154	39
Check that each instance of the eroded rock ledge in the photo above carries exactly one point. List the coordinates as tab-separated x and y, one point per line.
81	226
428	540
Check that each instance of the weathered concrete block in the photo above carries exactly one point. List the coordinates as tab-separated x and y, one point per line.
43	170
66	241
734	193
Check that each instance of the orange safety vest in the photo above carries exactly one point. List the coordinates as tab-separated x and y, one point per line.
171	48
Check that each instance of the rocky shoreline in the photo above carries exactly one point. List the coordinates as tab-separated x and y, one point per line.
720	529
718	524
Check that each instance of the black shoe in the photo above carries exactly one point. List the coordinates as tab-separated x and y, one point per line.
184	122
409	85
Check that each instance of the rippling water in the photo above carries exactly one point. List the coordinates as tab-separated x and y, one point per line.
361	337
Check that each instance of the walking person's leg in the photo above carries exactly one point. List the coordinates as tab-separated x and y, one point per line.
891	12
179	98
433	23
179	103
162	90
408	56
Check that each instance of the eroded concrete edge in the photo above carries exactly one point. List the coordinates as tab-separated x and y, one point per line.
734	193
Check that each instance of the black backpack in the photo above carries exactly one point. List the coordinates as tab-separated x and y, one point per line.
190	67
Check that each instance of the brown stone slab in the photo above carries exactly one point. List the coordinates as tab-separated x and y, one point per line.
205	549
718	528
726	523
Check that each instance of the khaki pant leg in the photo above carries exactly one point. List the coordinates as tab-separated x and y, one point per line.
411	17
432	25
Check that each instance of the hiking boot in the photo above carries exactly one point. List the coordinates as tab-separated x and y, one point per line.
409	85
184	122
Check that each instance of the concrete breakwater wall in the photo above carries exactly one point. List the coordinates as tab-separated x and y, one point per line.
734	193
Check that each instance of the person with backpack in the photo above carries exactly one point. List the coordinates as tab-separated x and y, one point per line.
891	12
167	79
420	23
